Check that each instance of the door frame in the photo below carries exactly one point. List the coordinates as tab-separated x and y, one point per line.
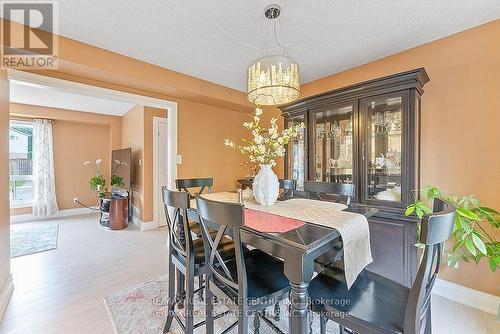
156	196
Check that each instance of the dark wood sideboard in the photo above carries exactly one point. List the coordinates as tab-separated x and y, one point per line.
367	134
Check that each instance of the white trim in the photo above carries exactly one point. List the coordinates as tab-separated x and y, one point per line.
148	226
61	213
156	199
5	294
481	300
41	81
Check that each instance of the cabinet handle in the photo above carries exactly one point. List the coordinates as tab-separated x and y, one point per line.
363	152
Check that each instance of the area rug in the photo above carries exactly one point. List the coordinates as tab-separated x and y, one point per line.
142	310
29	239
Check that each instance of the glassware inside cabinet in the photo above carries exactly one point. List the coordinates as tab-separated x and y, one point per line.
383	148
297	156
333	144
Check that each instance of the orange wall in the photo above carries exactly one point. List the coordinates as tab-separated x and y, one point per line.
460	121
78	136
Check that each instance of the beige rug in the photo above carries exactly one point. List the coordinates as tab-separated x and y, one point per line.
142	310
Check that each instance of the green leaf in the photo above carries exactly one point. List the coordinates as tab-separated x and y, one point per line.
452	260
489	210
470	247
479	243
465	258
420	213
457	245
493	265
467	213
433	192
409	210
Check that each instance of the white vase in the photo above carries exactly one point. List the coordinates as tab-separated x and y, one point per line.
265	186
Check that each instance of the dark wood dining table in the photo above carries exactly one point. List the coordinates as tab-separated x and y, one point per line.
298	248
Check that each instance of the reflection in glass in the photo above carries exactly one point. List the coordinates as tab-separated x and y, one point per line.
296	158
333	138
384	149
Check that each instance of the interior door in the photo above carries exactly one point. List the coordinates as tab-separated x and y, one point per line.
161	169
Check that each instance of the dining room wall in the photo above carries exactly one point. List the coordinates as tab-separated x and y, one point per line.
78	137
460	121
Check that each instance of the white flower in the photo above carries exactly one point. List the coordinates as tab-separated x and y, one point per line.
98	161
258	111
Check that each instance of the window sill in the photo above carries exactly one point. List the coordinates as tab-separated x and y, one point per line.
19	205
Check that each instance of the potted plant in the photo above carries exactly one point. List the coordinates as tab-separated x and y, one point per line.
97	182
471	239
117	180
263	149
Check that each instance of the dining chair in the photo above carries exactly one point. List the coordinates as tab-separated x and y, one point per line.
199	183
375	304
248	283
339	192
330	190
185	256
288	186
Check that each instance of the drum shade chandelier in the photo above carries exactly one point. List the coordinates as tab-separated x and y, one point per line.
273	79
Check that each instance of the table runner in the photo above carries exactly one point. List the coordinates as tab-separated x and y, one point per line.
352	227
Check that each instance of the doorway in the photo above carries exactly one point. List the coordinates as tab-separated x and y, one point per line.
160	167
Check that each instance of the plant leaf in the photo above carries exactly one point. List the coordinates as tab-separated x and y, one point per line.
467	213
452	260
470	247
479	243
409	210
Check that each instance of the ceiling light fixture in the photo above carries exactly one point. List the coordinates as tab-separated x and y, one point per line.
273	79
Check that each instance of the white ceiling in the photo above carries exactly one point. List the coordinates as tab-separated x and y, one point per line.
53	98
217	39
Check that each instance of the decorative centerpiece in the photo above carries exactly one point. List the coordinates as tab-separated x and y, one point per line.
117	180
265	146
97	182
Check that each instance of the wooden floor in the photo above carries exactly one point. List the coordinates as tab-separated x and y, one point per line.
61	291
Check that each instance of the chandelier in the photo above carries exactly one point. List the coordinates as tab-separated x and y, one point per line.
273	79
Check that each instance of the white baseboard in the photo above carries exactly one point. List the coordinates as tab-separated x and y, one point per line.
61	213
143	226
148	226
5	294
481	300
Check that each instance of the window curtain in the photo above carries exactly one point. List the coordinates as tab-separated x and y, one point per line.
44	185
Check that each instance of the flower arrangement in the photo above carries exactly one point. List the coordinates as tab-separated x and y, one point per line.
267	144
97	182
117	180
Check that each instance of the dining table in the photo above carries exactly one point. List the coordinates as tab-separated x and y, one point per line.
298	247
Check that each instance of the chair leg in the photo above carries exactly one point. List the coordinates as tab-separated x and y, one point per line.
181	293
209	309
256	323
171	297
277	311
242	319
322	324
189	310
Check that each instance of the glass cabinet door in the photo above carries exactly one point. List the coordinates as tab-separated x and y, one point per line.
382	147
333	144
296	156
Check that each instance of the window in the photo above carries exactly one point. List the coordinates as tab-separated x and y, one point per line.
20	163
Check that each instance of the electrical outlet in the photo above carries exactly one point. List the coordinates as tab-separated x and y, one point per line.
75	200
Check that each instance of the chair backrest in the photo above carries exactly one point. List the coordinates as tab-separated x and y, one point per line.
202	183
223	215
436	228
179	234
288	186
321	190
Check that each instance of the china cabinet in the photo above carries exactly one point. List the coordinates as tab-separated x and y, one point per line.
367	134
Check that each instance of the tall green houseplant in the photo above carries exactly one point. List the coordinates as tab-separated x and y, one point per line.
474	230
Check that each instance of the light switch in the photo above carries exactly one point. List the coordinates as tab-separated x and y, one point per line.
178	159
140	162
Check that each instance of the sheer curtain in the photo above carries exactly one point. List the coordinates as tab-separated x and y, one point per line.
44	185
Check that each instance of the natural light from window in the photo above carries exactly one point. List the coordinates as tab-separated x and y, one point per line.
20	163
